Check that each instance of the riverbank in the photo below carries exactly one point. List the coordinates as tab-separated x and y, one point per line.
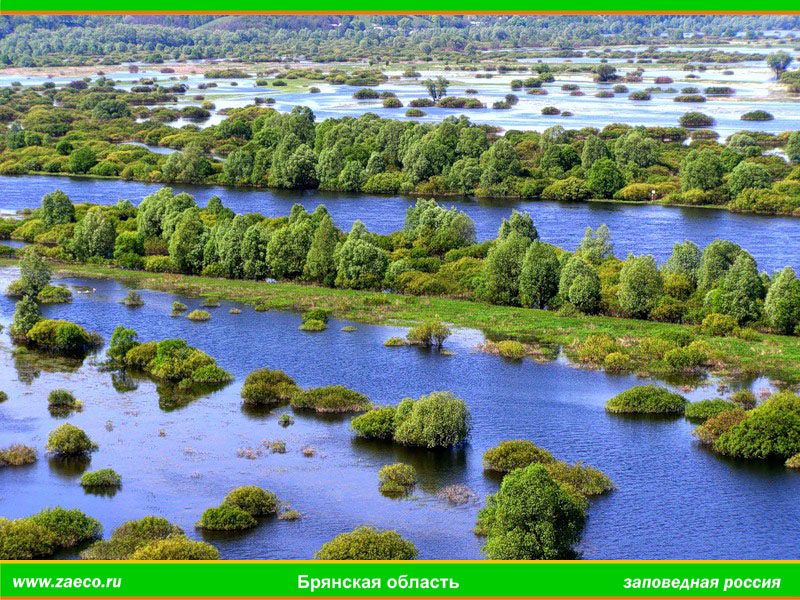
545	333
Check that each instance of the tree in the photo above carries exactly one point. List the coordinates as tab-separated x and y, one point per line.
26	315
701	170
229	247
593	150
605	178
538	279
636	149
189	166
740	291
437	229
367	543
34	273
352	177
499	162
502	269
359	263
748	175
579	284
254	252
289	246
715	261
640	285
82	159
684	260
793	147
57	209
518	222
596	246
320	262
778	61
531	518
111	109
187	243
95	235
605	72
782	306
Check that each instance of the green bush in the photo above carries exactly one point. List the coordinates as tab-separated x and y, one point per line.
367	543
705	409
265	386
793	462
313	325
226	518
647	399
69	527
101	478
511	349
68	440
515	454
176	548
394	341
744	399
397	478
17	455
595	348
54	294
60	337
179	306
332	398
617	362
770	431
252	499
715	426
199	315
159	264
316	314
129	537
438	420
23	539
132	299
141	355
583	479
430	333
719	325
378	423
62	399
532	517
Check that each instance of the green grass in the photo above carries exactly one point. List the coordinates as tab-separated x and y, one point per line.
772	355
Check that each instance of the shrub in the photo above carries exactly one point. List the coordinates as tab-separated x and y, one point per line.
437	420
617	362
176	548
349	328
511	349
23	539
395	341
199	315
709	432
744	399
101	478
595	348
378	423
17	455
695	119
62	399
226	518
532	517
719	91
316	314
392	103
367	543
770	431
132	299
285	420
415	112
430	333
289	515
689	98
265	386
141	355
60	337
68	440
551	111
793	462
515	454
179	306
252	499
332	398
54	294
719	325
159	264
70	527
313	325
705	409
397	478
757	115
647	399
130	536
583	479
639	96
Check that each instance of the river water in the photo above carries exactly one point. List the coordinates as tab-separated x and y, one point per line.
773	241
675	500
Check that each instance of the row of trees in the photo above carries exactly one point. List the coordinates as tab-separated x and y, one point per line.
435	253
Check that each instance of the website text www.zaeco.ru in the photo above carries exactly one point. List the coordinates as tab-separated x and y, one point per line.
65	582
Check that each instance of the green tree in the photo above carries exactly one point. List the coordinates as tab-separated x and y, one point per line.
702	170
636	149
82	159
320	262
288	248
57	209
359	263
186	245
502	269
95	235
254	252
189	166
740	292
352	177
793	147
111	109
229	247
748	175
518	222
605	72
605	178
684	260
594	149
531	518
782	306
579	284
499	162
34	273
26	315
640	285
596	246
778	61
715	261
538	279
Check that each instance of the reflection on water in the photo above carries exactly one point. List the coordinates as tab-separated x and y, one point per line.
177	463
